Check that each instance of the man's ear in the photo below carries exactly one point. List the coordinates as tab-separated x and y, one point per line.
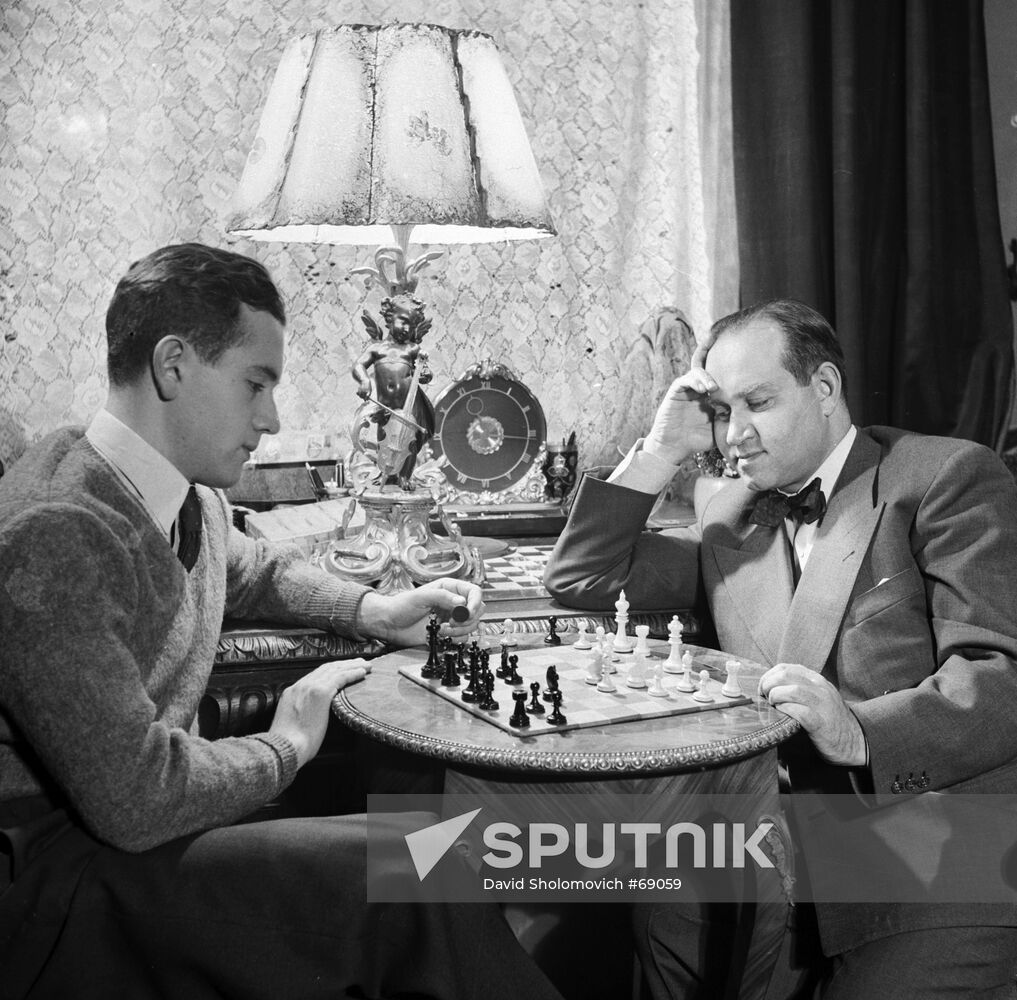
827	381
169	357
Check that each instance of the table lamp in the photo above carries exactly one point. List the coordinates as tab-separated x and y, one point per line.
371	133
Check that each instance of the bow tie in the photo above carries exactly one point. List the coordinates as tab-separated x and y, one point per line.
805	507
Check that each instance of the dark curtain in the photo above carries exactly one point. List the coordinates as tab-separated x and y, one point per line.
865	187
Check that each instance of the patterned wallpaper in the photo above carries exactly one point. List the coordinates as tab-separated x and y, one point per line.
126	127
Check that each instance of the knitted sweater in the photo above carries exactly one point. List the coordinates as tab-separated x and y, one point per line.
106	646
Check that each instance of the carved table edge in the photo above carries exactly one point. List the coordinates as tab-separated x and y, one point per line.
628	762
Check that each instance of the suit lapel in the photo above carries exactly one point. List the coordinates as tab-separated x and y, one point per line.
829	576
762	608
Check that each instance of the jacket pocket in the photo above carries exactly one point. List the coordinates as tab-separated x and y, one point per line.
899	587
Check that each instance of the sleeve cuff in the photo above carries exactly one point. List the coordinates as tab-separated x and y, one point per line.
334	605
643	471
286	753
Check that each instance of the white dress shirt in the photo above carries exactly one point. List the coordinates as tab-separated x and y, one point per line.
154	478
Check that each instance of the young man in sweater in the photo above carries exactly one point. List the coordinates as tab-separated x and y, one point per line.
120	871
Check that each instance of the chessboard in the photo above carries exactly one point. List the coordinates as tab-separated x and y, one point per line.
582	704
516	574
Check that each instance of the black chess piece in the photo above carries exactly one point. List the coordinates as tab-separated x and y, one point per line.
471	692
433	666
535	707
450	677
519	719
512	677
552	683
556	718
461	666
488	704
503	670
552	638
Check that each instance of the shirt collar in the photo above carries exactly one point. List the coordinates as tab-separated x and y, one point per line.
830	470
157	481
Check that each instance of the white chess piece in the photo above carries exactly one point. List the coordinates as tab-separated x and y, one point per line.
610	656
637	672
583	639
642	640
622	641
673	663
508	633
657	689
731	688
605	684
703	694
594	665
685	684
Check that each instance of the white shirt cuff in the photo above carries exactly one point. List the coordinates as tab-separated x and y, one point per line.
643	471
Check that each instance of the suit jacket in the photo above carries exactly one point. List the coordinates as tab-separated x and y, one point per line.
907	604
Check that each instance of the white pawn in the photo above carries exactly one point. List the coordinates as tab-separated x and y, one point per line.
657	689
508	633
703	694
685	684
637	672
594	666
622	641
673	663
605	684
731	688
610	656
583	639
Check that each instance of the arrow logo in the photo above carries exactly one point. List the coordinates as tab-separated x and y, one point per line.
430	845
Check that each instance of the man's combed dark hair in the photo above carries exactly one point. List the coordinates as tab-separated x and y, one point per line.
188	290
809	338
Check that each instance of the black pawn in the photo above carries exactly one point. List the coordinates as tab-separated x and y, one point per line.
556	718
534	707
512	677
552	638
488	704
450	678
519	718
503	670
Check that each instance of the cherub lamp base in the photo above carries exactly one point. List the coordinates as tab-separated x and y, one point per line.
396	550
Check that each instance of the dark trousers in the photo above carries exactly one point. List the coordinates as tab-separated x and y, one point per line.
700	952
259	910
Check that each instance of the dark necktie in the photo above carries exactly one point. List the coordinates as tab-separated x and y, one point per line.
189	530
772	507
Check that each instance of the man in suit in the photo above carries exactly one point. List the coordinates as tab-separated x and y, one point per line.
872	571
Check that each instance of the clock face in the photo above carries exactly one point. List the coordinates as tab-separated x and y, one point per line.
490	429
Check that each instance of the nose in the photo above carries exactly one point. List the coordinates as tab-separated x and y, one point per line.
266	420
738	430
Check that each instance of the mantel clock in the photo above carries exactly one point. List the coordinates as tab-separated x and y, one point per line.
490	428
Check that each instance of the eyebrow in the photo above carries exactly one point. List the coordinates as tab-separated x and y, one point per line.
745	393
265	371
